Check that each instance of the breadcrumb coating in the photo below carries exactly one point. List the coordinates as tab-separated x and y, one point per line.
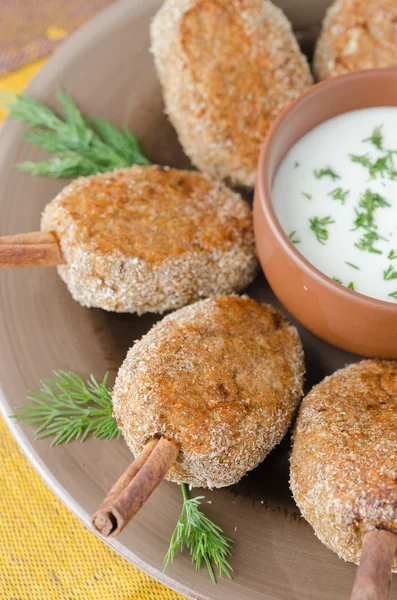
227	68
150	239
344	458
356	35
223	377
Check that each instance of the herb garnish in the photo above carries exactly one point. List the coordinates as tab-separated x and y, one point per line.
306	195
294	239
376	138
352	265
296	164
327	172
339	194
80	146
369	202
390	273
69	408
392	255
380	166
204	540
393	295
338	280
367	242
319	226
351	286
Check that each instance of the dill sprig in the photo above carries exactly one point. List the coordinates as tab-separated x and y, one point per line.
390	273
204	540
367	242
379	166
69	408
339	194
338	280
393	295
352	265
292	237
307	195
80	146
319	226
392	255
369	202
376	138
327	172
351	286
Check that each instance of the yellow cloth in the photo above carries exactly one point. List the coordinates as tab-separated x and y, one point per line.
45	552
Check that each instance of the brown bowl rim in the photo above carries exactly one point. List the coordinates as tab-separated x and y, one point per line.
265	192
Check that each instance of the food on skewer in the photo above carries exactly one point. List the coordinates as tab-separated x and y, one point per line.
144	239
218	382
227	68
344	461
357	34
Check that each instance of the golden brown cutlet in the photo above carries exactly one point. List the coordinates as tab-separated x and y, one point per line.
357	34
149	239
344	458
223	377
227	68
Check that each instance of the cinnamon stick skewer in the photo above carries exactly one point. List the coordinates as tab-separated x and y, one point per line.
135	486
373	576
38	249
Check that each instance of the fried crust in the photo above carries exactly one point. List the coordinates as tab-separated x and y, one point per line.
223	377
356	35
227	68
149	239
344	458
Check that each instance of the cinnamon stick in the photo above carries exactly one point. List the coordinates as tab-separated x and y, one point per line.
35	249
373	576
135	486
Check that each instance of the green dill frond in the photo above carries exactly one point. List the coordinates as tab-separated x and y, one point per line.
376	138
68	408
80	146
327	172
319	226
390	273
203	539
367	242
392	255
339	194
293	237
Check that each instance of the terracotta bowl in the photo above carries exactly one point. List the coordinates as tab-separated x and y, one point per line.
340	316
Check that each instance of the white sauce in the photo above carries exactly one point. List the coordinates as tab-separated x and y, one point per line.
330	145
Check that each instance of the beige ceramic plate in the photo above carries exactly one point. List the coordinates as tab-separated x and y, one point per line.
108	69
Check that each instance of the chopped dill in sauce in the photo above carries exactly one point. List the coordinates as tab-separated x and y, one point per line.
293	238
352	265
327	172
319	226
339	194
348	174
390	273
